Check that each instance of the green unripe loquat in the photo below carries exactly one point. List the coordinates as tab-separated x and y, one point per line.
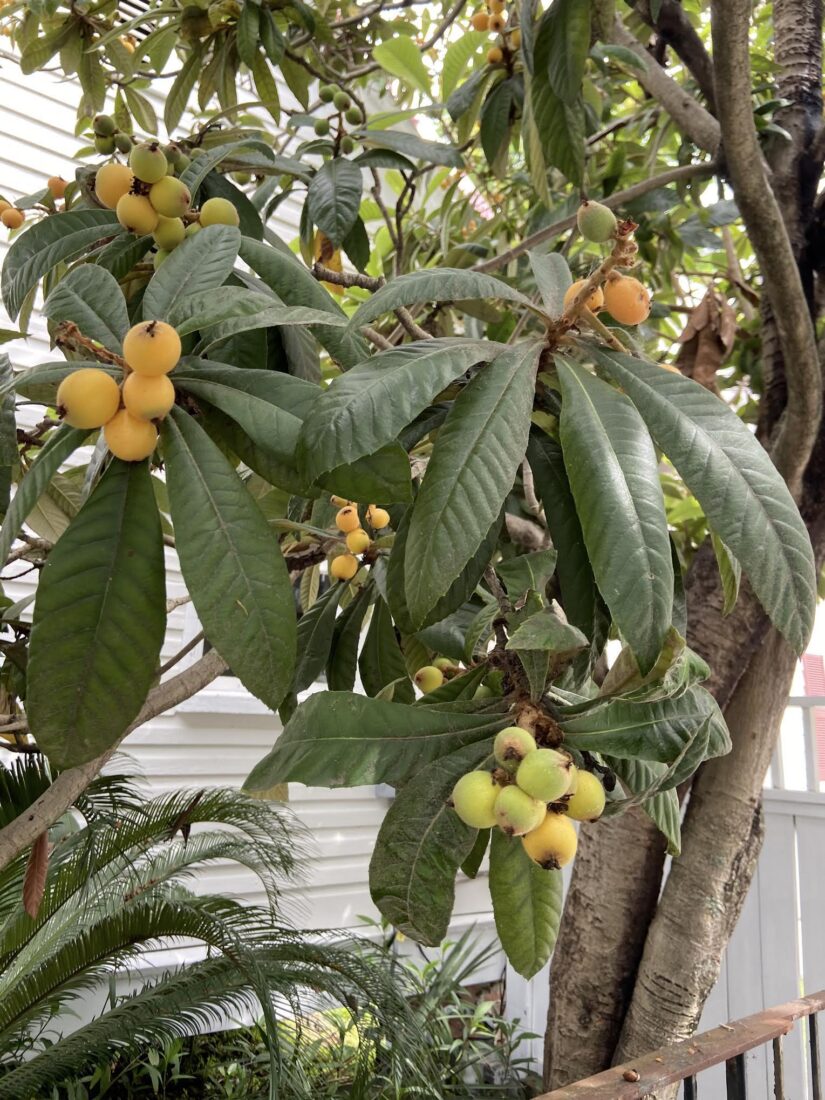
483	692
193	228
219	211
170	197
182	163
354	115
429	678
545	774
445	664
321	126
517	813
169	233
123	143
596	221
512	745
160	258
326	93
148	161
105	146
104	126
341	100
553	843
474	798
347	144
588	798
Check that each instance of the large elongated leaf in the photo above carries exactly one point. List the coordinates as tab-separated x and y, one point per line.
420	846
527	904
411	145
560	124
92	298
446	284
294	285
545	630
473	465
315	630
373	402
274	316
45	244
614	475
99	620
401	57
553	279
231	562
334	197
663	808
342	663
381	661
657	730
202	262
746	501
336	739
50	458
564	33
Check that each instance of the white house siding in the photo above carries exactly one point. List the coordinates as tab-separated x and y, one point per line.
217	737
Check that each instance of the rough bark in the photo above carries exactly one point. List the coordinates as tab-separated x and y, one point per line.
675	29
612	897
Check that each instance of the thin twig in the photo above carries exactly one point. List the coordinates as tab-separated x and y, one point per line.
181	653
376	337
346	278
406	319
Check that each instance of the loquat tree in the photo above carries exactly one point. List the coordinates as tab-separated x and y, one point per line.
500	472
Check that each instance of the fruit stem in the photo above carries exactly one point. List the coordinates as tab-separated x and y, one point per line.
68	335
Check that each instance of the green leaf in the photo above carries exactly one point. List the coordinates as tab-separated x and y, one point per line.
470	473
142	110
614	475
434	285
553	279
315	630
120	255
545	630
663	809
495	121
265	86
99	620
472	864
730	573
657	730
457	58
563	40
527	571
199	312
247	31
527	904
342	663
181	89
231	562
50	458
373	402
45	244
202	262
294	285
401	57
336	739
560	124
273	43
92	298
469	95
334	197
411	145
381	661
420	846
745	500
274	316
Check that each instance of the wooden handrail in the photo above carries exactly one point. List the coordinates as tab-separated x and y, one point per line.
669	1065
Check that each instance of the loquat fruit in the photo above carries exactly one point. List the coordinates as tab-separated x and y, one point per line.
4	205
340	502
151	348
511	746
553	843
517	813
496	6
347	519
474	798
12	218
219	211
377	518
88	398
112	182
495	55
429	678
326	93
104	126
594	303
129	438
57	185
104	145
480	21
357	541
545	774
445	664
341	100
170	197
136	213
497	23
169	232
343	567
596	221
515	38
626	300
321	127
588	798
354	115
148	161
146	397
160	258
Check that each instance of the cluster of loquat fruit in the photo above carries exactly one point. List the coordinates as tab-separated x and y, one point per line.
347	112
495	19
533	794
344	566
625	298
91	398
146	198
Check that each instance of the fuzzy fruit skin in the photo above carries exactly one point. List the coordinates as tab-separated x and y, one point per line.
4	205
511	746
498	22
378	518
545	774
151	348
112	182
128	438
483	692
347	144
193	228
341	100
160	258
343	567
357	541
596	222
627	300
57	185
354	115
148	398
515	38
169	233
88	397
480	21
495	56
444	664
594	303
347	519
148	162
517	813
474	798
588	799
321	127
553	844
170	197
136	213
326	93
123	143
219	212
429	678
105	146
104	125
12	218
496	7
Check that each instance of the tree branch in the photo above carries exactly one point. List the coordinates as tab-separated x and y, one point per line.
676	30
691	117
794	441
54	802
